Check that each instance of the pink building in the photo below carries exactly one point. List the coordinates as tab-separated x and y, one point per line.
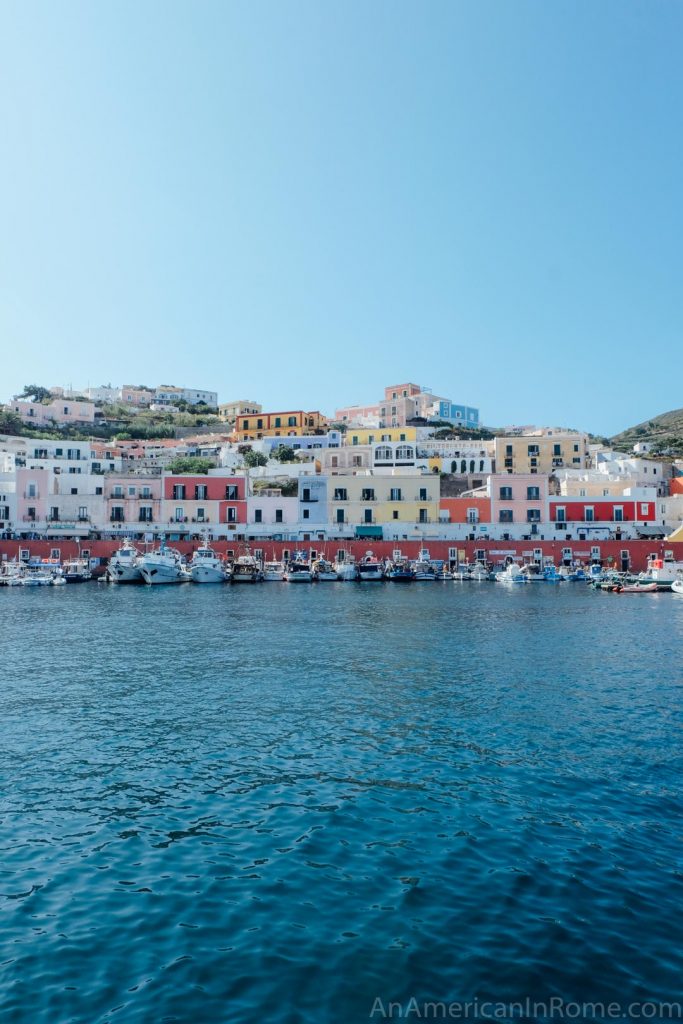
131	500
35	487
61	411
519	500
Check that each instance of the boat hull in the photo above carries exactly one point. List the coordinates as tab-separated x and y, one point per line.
207	574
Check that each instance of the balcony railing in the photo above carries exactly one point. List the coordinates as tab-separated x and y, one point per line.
117	519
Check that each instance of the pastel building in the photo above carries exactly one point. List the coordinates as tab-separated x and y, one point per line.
169	394
270	514
192	502
133	504
333	461
623	517
312	494
372	505
360	435
230	411
289	423
519	503
302	442
544	452
61	411
358	415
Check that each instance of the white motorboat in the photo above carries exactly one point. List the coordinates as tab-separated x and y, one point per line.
246	570
37	578
274	572
207	566
478	573
662	571
370	570
677	587
166	565
124	565
347	571
512	573
12	574
424	571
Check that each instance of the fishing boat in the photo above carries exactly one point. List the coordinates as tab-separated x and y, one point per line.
246	569
36	577
299	569
207	566
77	570
165	565
12	574
274	572
423	572
399	571
370	570
124	565
478	573
443	574
662	571
324	571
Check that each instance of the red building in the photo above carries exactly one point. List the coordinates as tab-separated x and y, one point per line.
208	500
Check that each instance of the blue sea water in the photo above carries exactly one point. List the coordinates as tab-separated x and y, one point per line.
284	804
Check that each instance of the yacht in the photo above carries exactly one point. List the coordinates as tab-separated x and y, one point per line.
207	566
274	572
124	565
37	577
246	570
12	574
324	571
370	570
166	565
299	570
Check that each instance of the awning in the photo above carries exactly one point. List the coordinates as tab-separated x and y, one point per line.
650	531
369	531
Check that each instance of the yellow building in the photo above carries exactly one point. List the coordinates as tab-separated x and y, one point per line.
291	423
377	434
374	500
543	452
229	411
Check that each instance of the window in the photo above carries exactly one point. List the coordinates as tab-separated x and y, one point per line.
306	494
99	490
533	515
201	492
131	492
505	494
306	514
258	515
356	460
367	515
505	515
383	453
54	514
588	514
334	461
576	447
644	508
395	494
145	515
291	421
82	512
533	493
423	494
557	449
179	514
423	515
231	514
117	514
561	514
368	494
178	492
618	514
340	515
394	514
278	421
201	514
259	424
231	492
533	449
404	452
508	449
472	515
340	494
278	515
146	492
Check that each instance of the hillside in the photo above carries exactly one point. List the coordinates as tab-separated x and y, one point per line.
664	432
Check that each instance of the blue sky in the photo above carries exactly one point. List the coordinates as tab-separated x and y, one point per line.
302	202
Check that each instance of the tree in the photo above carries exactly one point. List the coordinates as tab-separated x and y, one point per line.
253	459
190	464
10	423
36	393
284	453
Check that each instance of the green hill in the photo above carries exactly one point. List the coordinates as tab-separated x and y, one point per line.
664	433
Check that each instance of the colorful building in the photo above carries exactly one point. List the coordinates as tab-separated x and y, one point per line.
290	423
544	452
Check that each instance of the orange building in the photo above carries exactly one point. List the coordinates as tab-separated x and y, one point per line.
291	423
465	510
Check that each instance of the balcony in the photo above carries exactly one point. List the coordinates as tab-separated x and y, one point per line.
28	494
117	519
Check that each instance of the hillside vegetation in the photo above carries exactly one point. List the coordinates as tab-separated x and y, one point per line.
664	433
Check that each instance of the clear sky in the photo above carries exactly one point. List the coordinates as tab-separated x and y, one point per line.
301	202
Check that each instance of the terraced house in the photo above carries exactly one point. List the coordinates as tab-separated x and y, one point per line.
289	423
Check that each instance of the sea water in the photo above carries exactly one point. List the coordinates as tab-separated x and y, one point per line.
304	804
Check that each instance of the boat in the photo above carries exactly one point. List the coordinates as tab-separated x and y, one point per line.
399	571
274	572
347	570
370	570
662	571
12	574
478	572
77	570
58	578
299	569
324	571
165	565
246	569
423	571
635	587
551	575
124	565
443	574
512	573
207	566
37	577
677	587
